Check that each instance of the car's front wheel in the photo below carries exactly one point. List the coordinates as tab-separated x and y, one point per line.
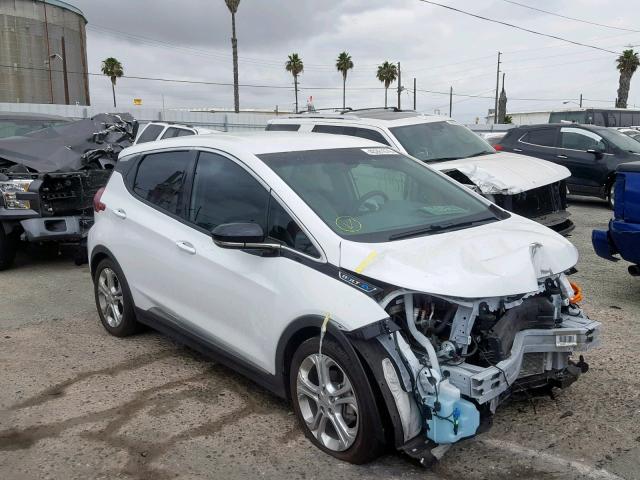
113	300
333	402
611	192
7	249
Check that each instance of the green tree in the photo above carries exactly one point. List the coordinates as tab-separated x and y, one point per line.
232	5
295	66
387	74
627	64
344	64
113	69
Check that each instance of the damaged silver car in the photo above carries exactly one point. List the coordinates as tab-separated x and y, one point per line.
48	178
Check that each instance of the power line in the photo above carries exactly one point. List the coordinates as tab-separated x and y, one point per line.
571	18
511	25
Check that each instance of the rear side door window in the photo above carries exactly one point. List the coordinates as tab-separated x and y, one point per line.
224	192
160	179
150	133
543	137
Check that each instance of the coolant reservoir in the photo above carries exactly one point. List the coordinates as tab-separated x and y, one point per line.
457	418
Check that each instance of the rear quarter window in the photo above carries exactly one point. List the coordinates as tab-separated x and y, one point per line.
544	137
282	127
150	133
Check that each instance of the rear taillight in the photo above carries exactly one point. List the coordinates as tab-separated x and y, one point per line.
98	206
498	147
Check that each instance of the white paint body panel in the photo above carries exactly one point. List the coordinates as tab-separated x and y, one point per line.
245	302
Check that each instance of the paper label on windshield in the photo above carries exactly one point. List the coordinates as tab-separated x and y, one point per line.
443	209
379	151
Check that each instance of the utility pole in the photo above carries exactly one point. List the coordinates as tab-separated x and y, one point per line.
450	100
399	86
414	93
580	100
495	111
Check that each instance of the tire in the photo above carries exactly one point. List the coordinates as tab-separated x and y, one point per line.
113	300
611	189
7	249
354	409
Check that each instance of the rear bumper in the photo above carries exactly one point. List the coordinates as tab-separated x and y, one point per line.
622	238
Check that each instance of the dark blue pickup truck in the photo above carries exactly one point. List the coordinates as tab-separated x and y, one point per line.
623	236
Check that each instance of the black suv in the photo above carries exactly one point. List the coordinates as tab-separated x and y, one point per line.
590	152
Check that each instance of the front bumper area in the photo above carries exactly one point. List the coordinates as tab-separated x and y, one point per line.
622	238
56	229
484	384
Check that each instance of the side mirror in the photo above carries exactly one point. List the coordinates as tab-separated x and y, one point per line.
597	152
241	236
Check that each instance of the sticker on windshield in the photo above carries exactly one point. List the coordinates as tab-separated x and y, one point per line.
348	224
443	210
379	151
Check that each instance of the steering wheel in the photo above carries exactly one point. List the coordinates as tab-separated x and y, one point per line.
363	207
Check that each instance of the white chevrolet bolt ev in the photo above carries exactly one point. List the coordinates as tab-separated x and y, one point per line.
387	302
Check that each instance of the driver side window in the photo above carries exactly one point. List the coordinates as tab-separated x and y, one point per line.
284	229
578	139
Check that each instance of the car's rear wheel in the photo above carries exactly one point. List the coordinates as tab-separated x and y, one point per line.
8	245
113	300
333	402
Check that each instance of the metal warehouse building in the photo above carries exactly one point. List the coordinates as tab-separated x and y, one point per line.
43	53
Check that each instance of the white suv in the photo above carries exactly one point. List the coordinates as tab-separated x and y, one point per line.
528	186
385	300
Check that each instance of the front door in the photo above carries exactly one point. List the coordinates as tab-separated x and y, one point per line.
588	169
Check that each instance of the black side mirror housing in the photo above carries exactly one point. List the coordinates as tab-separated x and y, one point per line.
241	236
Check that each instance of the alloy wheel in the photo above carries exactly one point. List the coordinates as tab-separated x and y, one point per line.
327	402
110	297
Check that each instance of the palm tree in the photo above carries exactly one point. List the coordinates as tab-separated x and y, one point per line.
296	67
232	5
387	74
112	68
628	62
344	64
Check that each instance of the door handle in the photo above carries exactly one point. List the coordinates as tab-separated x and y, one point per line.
517	149
562	156
118	212
186	247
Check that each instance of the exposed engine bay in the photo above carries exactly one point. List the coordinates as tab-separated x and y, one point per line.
459	359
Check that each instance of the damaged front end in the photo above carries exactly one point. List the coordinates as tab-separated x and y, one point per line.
546	204
444	364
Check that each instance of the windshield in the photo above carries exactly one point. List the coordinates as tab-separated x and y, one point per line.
620	140
377	194
440	141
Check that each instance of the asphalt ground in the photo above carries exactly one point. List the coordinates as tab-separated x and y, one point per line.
76	403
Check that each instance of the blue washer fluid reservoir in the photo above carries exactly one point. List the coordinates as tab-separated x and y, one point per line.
456	419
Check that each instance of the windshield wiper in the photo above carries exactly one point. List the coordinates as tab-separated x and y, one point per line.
439	228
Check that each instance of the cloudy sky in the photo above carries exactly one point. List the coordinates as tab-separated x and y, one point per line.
190	40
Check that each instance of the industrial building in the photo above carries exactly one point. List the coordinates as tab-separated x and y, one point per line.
43	53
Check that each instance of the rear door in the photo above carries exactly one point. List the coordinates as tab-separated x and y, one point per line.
149	248
588	170
537	142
